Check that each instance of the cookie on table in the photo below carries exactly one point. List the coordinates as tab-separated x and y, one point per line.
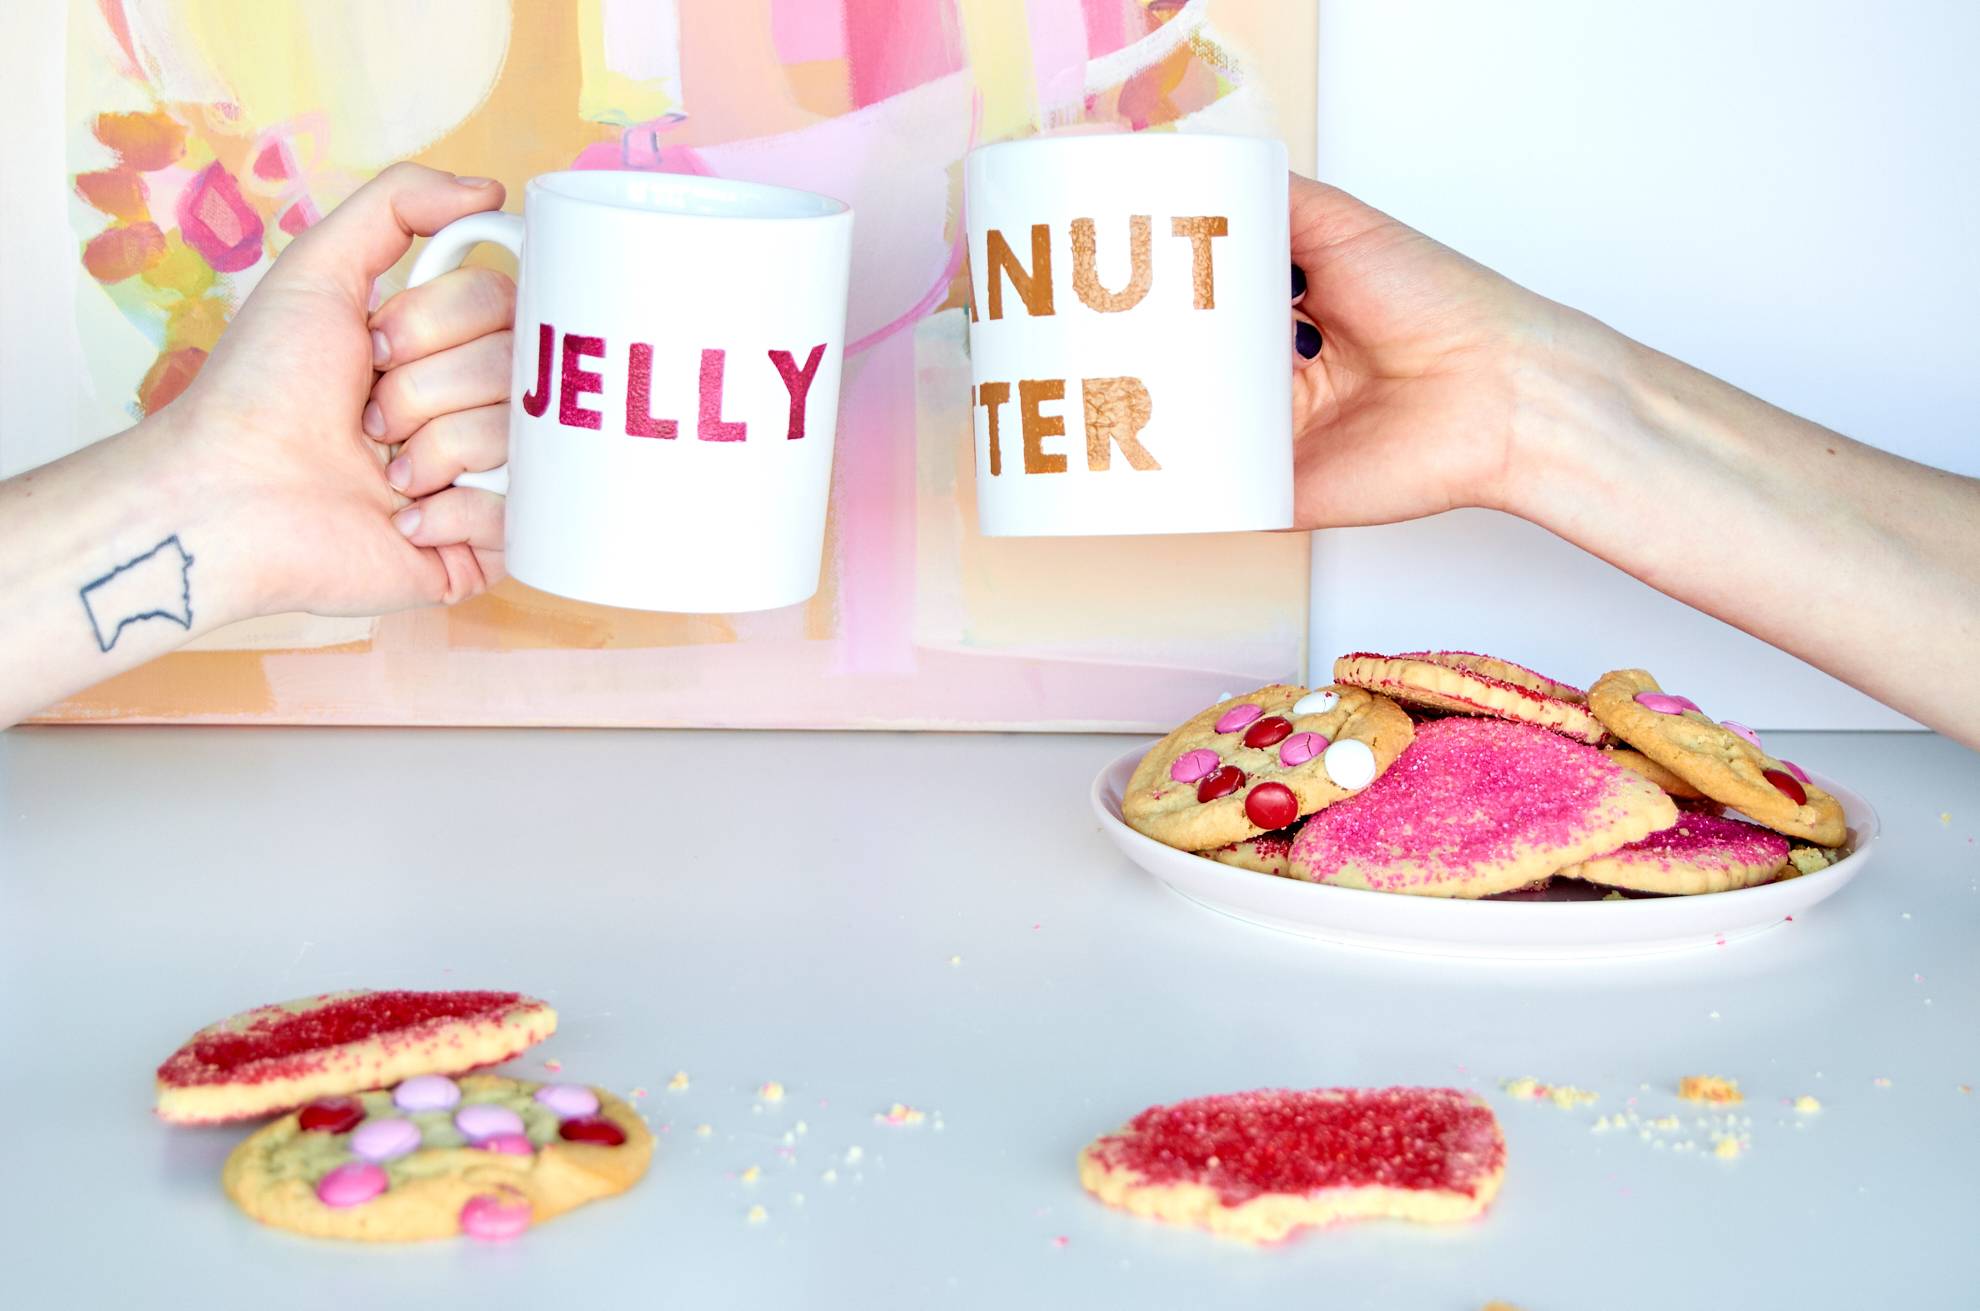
1265	854
279	1056
1725	761
1467	683
483	1155
1257	763
1699	853
1479	806
1255	1166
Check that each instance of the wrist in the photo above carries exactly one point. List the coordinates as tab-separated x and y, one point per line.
204	499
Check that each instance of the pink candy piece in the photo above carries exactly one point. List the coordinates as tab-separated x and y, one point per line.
1741	730
383	1139
1237	717
485	1120
426	1092
1192	765
1666	704
569	1099
495	1219
351	1184
508	1144
1301	747
1796	770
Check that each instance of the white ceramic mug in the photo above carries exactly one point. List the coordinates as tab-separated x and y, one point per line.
1130	345
676	389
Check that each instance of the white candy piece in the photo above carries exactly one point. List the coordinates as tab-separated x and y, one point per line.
1317	703
1349	763
1223	697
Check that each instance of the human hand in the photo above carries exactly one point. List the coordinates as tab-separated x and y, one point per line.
297	428
1406	405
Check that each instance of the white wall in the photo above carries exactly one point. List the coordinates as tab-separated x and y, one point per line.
1784	193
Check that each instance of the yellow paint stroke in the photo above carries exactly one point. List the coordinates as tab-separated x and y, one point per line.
999	46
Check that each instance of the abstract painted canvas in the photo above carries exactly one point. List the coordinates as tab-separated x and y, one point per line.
206	134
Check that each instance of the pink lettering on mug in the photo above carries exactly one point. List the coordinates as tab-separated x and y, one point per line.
537	401
639	398
713	427
797	382
579	381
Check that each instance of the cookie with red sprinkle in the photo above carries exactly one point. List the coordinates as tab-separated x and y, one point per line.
483	1155
1465	682
283	1055
1252	764
1268	853
1256	1166
1724	760
1699	853
1476	807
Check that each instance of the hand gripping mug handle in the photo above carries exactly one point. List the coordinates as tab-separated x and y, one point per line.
444	252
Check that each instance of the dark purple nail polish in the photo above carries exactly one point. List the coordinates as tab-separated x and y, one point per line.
1306	340
1299	282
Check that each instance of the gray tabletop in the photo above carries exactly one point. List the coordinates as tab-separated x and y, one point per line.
936	921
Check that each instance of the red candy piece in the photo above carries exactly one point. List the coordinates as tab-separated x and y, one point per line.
1220	784
1271	805
1268	732
592	1129
331	1115
1789	785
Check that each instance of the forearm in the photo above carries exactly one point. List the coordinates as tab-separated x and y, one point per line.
109	558
1860	562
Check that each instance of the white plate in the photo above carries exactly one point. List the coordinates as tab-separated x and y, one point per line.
1537	929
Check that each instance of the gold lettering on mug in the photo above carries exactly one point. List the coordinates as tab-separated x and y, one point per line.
994	394
1034	287
1117	409
1086	277
1038	426
1199	231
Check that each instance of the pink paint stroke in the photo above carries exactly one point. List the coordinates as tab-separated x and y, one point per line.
806	31
896	45
1058	54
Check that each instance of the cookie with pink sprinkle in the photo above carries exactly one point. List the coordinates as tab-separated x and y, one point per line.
1722	759
1467	683
1255	763
1476	807
1699	853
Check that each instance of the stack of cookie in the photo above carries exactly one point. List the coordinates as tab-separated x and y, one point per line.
1453	774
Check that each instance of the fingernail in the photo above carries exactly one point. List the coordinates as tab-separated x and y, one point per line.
407	520
1299	282
398	473
1306	340
374	419
381	350
476	182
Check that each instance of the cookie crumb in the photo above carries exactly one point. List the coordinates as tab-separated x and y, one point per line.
830	1177
1881	1081
900	1113
854	1154
757	1215
1710	1088
1806	1104
679	1083
639	1092
955	960
771	1092
752	1174
1727	1148
1565	1096
553	1066
703	1130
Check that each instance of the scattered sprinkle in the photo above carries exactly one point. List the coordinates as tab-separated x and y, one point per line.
752	1174
679	1083
955	960
1806	1104
757	1215
1727	1147
639	1092
553	1066
1965	1087
900	1113
1565	1096
1061	1241
1881	1081
1710	1088
800	1127
1713	1016
854	1154
703	1130
771	1091
1945	817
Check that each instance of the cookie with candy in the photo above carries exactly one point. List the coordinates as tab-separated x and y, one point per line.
1252	764
1723	760
1256	1166
483	1155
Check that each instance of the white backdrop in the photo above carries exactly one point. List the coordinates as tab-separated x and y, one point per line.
1784	192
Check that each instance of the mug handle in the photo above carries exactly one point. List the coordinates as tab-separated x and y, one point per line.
444	252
